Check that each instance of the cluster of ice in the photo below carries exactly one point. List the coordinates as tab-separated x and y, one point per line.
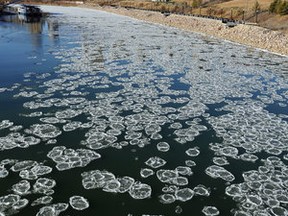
173	176
17	140
44	131
44	186
251	127
35	172
109	183
23	165
66	158
173	193
12	203
215	171
41	186
155	162
185	135
264	191
5	124
53	210
30	170
26	94
44	200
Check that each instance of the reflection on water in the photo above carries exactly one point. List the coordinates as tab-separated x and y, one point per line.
34	24
24	43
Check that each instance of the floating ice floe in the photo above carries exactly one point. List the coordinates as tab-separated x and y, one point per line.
23	165
16	128
201	190
3	90
220	161
52	120
35	172
109	183
184	170
248	157
155	162
193	152
44	186
251	134
140	191
210	211
178	209
52	210
262	189
126	183
5	124
69	158
11	203
3	172
22	187
26	94
44	131
33	114
71	126
79	203
42	201
17	140
166	176
184	194
167	198
215	171
190	163
145	173
21	204
172	176
163	146
99	140
67	114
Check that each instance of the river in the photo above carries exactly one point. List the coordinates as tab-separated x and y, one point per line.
102	114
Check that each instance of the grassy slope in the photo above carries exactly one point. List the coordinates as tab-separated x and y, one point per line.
264	19
234	7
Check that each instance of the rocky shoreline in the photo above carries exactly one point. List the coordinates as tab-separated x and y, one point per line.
251	35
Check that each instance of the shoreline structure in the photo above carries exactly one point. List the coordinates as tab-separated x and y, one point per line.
250	35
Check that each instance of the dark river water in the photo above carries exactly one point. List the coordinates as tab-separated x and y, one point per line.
105	115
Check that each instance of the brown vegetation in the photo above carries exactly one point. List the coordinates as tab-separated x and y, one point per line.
255	11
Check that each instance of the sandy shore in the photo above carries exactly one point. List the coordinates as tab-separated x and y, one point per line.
273	41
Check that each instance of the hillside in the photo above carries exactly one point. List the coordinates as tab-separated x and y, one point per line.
242	10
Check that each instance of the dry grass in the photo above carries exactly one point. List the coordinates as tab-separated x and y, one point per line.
245	4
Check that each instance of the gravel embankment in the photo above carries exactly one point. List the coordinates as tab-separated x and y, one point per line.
273	41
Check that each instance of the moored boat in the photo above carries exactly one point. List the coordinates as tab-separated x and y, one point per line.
24	9
29	10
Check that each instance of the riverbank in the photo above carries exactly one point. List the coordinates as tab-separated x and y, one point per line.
251	35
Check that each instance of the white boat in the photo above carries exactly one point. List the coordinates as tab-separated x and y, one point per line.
28	10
